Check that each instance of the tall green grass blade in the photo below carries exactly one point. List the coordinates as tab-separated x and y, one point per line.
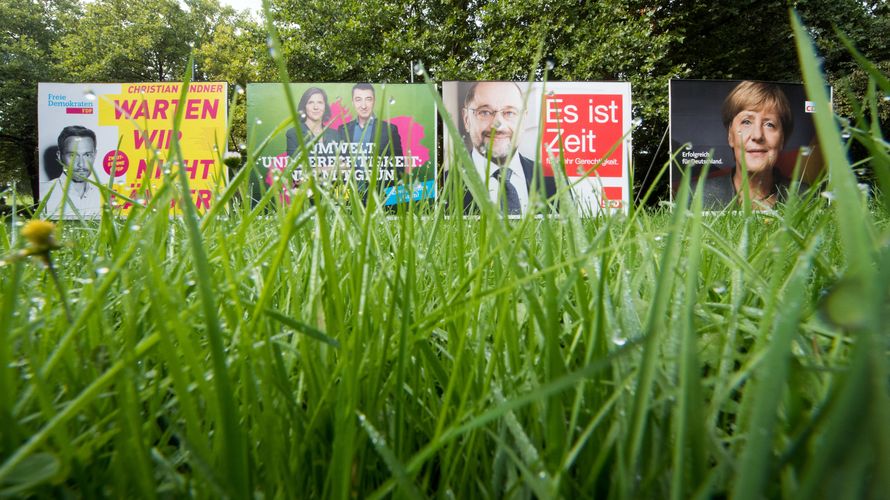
689	448
407	487
71	409
771	379
652	328
235	455
301	327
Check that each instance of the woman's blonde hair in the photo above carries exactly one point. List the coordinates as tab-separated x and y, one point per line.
759	96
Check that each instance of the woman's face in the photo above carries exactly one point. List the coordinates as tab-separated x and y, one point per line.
757	137
315	107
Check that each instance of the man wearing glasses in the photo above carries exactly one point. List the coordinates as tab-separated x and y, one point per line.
492	116
76	154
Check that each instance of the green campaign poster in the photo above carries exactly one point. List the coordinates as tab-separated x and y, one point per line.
348	131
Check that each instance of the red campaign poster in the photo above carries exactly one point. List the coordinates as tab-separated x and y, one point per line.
525	130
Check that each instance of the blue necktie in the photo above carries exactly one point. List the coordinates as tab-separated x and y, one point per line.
510	203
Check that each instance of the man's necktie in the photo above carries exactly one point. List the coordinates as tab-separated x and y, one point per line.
510	203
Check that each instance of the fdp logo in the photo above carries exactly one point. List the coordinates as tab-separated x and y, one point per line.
115	163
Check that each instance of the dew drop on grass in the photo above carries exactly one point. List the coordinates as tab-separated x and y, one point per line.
239	89
259	122
637	121
719	288
242	146
418	69
845	135
806	151
549	64
102	271
392	100
619	341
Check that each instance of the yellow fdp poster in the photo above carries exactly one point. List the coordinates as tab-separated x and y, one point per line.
121	136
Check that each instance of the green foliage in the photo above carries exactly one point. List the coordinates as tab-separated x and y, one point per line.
375	40
121	41
28	30
235	52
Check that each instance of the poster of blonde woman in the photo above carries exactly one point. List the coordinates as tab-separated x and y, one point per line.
748	133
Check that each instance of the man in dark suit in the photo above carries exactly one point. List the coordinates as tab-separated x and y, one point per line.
367	128
492	114
375	144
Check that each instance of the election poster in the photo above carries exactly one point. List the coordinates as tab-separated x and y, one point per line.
765	127
121	135
523	131
381	135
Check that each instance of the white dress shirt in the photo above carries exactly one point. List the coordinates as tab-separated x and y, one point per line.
517	178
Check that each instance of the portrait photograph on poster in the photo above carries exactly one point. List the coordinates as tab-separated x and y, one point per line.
516	132
348	132
92	136
744	131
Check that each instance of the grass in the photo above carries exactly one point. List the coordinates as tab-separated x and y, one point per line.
322	350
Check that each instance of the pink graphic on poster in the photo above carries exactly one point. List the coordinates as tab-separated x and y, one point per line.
411	134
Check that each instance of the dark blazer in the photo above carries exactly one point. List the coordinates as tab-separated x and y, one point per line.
719	189
390	142
328	135
528	168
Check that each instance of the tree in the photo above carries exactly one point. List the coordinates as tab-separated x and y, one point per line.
28	29
374	40
119	40
236	53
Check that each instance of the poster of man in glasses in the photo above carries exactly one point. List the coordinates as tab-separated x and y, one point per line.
521	136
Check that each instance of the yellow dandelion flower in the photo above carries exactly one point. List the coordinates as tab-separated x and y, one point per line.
41	240
39	234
